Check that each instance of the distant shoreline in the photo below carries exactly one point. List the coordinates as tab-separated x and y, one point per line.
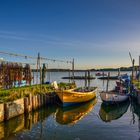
95	70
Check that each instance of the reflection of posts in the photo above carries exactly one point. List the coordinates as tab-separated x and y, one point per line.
1	130
28	121
14	125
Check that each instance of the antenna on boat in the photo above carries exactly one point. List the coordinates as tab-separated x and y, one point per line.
131	57
133	62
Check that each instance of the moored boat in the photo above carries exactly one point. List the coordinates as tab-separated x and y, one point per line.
77	95
100	74
113	97
119	94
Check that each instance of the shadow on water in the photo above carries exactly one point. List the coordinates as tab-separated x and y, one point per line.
72	114
112	112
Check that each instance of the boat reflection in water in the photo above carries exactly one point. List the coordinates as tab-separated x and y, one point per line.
112	112
72	114
135	107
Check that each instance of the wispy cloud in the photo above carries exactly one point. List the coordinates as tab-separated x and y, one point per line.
46	39
75	45
12	37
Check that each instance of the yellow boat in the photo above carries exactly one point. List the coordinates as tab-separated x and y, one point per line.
77	95
72	114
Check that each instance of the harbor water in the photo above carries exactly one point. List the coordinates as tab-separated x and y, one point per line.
87	121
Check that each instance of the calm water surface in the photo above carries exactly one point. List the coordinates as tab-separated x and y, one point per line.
88	121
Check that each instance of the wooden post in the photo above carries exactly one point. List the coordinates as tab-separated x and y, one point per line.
6	111
40	71
37	69
40	80
73	69
69	77
43	74
118	72
107	82
103	80
26	103
85	78
88	79
49	74
33	78
136	71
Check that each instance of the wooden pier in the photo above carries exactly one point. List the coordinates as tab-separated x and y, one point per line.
79	77
9	110
110	78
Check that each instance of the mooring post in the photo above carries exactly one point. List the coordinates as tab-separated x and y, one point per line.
103	80
73	70
43	73
107	82
85	78
38	57
88	79
118	72
33	78
40	80
69	77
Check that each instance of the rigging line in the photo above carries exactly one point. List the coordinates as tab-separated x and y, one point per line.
20	62
31	57
20	55
17	62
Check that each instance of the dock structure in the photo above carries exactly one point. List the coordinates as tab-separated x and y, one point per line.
79	77
110	78
30	97
27	99
17	107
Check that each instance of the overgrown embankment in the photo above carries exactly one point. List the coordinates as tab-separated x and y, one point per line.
20	92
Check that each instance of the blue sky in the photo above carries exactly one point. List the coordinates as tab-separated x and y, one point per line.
97	33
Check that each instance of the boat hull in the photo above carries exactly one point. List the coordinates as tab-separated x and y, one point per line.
113	98
70	97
